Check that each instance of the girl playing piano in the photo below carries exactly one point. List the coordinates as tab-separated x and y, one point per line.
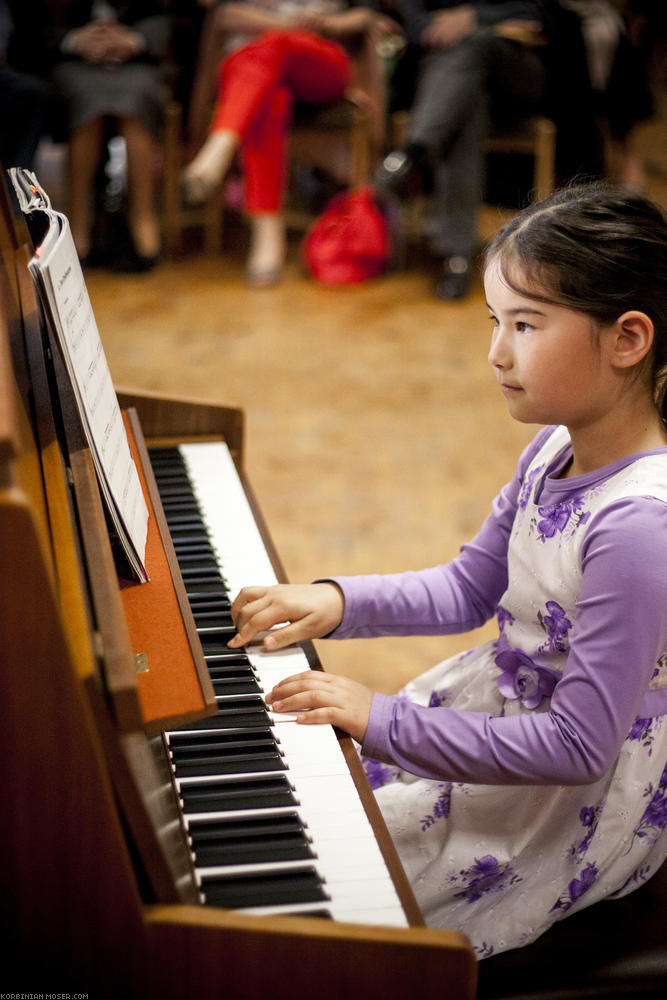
570	698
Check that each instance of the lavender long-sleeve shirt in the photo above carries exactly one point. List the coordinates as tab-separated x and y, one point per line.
620	631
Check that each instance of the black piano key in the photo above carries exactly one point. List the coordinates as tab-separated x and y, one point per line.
215	643
271	791
261	840
208	589
174	490
203	604
218	753
213	831
183	519
297	885
203	573
189	535
166	458
191	550
254	761
226	665
199	566
205	589
232	671
227	657
220	663
182	738
240	717
217	618
178	508
236	685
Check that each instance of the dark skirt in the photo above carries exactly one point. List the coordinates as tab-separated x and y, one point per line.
131	90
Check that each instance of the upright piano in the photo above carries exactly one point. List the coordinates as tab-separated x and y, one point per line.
164	834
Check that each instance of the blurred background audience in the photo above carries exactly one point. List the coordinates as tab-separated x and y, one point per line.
97	75
25	98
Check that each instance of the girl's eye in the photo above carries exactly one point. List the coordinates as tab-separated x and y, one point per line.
494	321
522	326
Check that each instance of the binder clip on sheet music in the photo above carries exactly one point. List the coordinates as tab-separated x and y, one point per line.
62	291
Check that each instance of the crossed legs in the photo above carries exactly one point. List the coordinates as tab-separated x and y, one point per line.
258	86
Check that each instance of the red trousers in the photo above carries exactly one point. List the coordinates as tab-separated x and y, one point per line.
258	85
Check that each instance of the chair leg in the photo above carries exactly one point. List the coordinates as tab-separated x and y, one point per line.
214	212
171	185
360	143
544	179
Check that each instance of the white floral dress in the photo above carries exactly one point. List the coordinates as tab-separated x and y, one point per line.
502	863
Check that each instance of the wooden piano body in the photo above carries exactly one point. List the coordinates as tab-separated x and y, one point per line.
97	888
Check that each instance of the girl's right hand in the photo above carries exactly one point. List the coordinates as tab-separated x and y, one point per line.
311	610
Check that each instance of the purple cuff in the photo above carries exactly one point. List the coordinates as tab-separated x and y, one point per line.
375	741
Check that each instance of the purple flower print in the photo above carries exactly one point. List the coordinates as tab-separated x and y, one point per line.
527	487
504	617
654	819
441	807
521	678
638	877
642	732
555	517
485	876
577	887
378	774
588	817
436	699
556	625
484	950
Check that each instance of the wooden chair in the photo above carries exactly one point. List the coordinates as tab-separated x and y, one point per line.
344	137
533	136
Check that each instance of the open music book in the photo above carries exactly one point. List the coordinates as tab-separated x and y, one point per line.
62	291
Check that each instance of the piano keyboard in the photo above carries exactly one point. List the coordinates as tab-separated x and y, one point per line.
273	818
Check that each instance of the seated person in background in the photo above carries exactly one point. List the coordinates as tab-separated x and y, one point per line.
24	102
279	53
614	37
477	58
107	65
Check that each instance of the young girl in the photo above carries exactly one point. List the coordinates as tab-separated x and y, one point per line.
570	698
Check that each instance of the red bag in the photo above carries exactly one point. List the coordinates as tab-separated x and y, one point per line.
349	241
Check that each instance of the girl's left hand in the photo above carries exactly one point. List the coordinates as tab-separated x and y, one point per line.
318	698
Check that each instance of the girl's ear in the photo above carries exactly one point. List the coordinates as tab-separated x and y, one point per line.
633	338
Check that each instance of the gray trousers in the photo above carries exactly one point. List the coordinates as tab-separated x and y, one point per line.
459	91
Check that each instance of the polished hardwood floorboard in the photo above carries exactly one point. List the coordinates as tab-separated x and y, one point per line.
376	435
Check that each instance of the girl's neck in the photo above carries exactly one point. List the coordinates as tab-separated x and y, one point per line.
624	434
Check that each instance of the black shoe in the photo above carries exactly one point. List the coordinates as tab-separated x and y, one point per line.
455	279
400	173
135	263
96	257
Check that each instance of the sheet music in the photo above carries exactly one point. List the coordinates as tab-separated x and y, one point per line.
57	273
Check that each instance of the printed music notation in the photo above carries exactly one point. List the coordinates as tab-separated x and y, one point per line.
61	287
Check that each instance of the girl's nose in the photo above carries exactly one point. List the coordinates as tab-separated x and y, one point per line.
499	354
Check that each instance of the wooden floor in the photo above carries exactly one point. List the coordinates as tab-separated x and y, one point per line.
376	436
